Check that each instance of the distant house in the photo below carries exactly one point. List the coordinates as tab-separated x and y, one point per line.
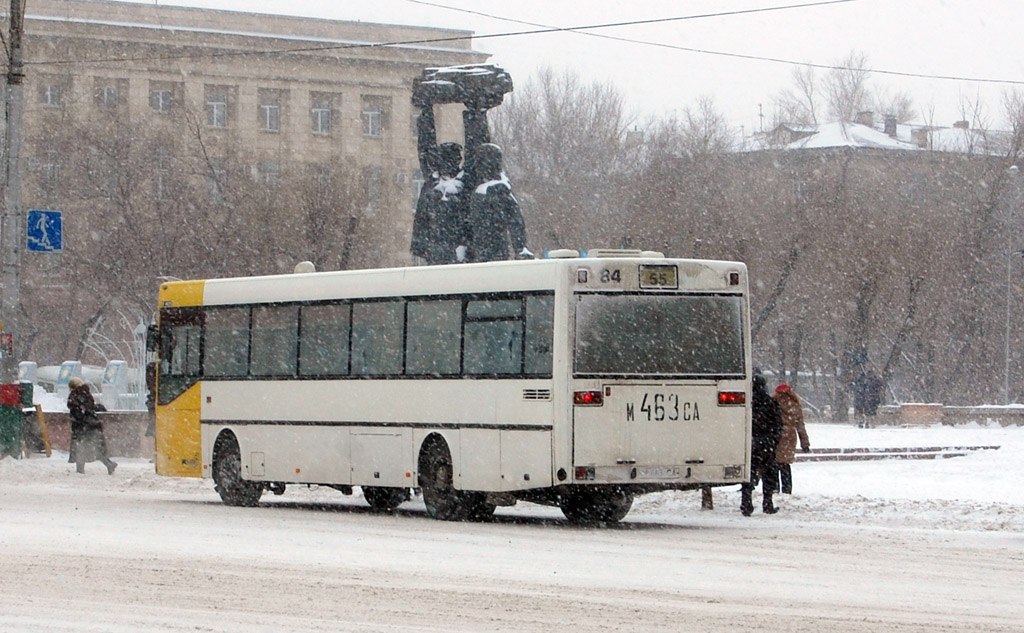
863	133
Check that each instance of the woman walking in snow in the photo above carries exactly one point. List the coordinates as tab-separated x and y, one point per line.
792	427
87	441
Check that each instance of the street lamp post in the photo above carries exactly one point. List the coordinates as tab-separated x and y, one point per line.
1009	293
1006	337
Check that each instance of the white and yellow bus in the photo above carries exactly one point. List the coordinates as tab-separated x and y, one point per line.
572	381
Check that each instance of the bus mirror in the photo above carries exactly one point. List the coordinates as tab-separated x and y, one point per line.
152	338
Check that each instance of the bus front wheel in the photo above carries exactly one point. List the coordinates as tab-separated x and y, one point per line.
596	506
227	475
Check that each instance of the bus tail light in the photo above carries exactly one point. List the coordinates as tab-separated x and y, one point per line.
731	398
584	473
595	398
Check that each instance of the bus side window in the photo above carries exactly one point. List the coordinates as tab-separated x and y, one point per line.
323	345
377	338
493	333
275	340
540	319
226	343
432	340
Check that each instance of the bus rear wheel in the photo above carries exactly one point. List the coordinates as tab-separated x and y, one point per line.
596	506
227	475
385	499
440	497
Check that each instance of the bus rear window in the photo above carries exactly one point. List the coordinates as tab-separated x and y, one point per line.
659	335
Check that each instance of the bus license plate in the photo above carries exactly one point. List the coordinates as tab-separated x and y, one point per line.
661	407
658	472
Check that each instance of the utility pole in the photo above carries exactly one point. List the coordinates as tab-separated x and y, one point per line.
11	231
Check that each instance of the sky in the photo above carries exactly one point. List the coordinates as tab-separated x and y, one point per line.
967	39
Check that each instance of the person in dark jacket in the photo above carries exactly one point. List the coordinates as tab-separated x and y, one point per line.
437	228
793	427
87	441
766	429
496	229
867	396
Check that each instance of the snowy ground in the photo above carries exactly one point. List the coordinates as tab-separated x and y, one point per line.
909	545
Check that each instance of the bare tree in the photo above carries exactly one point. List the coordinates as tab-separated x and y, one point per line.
568	154
846	89
898	105
799	104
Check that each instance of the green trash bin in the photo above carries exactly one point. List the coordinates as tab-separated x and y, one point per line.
26	395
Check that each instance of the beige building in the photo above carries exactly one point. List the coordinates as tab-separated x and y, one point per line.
284	95
193	143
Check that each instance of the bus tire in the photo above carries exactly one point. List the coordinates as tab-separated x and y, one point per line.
596	506
227	475
440	497
385	499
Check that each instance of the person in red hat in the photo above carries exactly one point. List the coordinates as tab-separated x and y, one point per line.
792	427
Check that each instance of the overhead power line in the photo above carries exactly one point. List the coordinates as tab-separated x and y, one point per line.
438	40
543	29
582	30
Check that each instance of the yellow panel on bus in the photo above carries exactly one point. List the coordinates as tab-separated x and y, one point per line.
178	438
182	293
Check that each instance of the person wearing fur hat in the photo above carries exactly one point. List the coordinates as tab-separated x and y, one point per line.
765	429
792	427
87	441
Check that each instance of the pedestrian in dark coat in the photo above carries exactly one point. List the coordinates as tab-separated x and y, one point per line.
496	229
766	428
87	441
792	428
867	396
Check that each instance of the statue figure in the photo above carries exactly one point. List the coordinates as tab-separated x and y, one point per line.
437	226
495	221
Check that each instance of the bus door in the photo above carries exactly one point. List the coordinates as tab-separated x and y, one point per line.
178	437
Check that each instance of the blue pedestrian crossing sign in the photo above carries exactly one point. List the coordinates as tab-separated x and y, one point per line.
44	231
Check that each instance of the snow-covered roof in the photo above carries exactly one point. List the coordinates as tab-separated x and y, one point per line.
967	141
842	134
329	41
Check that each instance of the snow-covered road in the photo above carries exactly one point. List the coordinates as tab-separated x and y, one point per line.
864	546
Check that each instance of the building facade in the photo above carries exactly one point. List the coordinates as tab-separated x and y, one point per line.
142	117
282	92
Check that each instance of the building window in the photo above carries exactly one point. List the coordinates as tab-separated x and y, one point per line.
161	173
320	178
110	94
47	168
417	187
106	97
269	111
372	188
215	180
268	173
51	94
321	106
160	100
217	106
163	95
375	115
